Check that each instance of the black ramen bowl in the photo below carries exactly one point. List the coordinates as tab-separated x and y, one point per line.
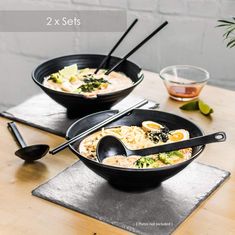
139	179
77	103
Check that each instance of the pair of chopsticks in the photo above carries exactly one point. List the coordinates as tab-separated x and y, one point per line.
115	46
132	51
120	114
98	126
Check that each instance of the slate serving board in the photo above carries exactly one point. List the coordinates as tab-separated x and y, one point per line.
42	112
81	190
158	211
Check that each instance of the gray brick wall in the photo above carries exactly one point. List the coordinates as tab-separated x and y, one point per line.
190	38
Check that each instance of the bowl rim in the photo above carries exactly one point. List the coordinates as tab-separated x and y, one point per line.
184	66
133	169
140	78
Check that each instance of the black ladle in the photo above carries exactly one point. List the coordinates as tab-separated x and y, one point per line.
111	146
27	153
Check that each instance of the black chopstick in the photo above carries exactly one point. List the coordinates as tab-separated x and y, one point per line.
96	127
137	47
115	46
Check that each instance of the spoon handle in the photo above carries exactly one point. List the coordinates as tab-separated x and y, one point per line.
18	137
197	141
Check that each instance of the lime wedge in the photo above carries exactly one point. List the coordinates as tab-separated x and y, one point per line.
204	108
192	105
69	70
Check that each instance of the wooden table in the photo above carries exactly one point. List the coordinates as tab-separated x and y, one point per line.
21	213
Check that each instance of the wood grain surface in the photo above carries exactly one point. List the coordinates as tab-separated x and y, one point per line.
21	213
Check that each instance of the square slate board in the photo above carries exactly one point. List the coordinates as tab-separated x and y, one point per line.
42	112
158	211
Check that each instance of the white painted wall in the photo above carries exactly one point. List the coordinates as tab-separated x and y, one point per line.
190	38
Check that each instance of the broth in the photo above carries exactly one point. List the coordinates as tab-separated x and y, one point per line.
85	82
134	137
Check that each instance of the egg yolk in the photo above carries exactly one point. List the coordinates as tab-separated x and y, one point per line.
177	136
153	126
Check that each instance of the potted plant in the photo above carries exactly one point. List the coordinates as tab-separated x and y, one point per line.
229	34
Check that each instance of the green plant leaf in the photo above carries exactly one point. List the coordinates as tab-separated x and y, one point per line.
226	21
221	25
231	43
226	34
229	30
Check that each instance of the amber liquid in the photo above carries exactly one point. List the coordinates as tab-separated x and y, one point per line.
184	91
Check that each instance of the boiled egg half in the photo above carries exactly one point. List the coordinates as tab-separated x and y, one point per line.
151	126
178	135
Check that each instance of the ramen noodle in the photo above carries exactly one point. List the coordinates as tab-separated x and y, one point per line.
134	137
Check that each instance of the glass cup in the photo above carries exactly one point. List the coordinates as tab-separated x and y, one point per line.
184	82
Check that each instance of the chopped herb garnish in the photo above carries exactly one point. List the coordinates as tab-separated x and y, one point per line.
163	157
145	162
88	87
167	157
91	84
153	162
175	153
160	135
92	79
55	77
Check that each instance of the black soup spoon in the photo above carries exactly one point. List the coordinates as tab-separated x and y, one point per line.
27	153
111	146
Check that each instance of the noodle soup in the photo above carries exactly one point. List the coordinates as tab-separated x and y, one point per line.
148	135
85	82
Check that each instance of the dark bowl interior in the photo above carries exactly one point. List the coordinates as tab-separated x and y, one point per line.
77	103
135	178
